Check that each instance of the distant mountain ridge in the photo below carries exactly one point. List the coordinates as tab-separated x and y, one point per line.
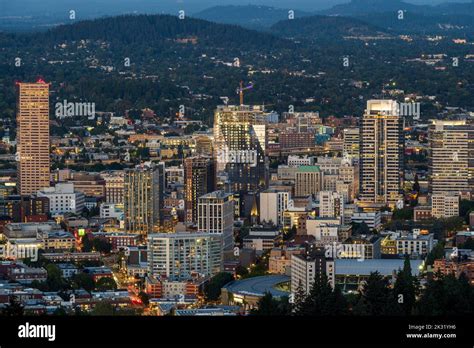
249	16
326	28
138	29
364	7
375	17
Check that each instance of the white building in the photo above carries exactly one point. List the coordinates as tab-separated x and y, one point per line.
415	244
305	268
179	256
272	205
372	219
216	216
113	211
300	161
325	233
331	205
63	199
259	243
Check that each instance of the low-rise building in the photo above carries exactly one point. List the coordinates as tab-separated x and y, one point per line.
68	270
445	205
63	198
305	268
279	260
372	219
415	244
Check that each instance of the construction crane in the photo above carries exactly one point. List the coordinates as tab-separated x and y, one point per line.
241	89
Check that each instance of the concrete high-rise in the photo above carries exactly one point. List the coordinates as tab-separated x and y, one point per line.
273	203
307	181
215	213
381	153
451	157
331	205
351	138
33	137
143	198
240	143
180	256
199	179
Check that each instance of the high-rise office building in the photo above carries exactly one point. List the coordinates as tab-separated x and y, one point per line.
114	184
240	143
273	203
331	205
451	157
351	138
307	181
215	213
143	198
33	137
381	153
180	256
199	179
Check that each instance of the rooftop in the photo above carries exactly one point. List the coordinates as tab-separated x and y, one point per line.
258	285
384	266
313	169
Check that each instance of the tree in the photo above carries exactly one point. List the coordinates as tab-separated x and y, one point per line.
241	271
405	289
106	283
101	245
465	208
267	305
447	295
54	281
144	298
212	290
376	297
416	184
14	308
403	214
86	244
322	300
468	244
84	281
299	299
361	228
103	309
290	234
436	253
270	306
60	311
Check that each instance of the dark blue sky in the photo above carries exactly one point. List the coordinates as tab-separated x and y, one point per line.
101	7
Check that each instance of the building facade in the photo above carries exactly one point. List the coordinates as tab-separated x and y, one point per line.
451	157
143	198
180	256
240	142
216	216
381	153
33	137
199	179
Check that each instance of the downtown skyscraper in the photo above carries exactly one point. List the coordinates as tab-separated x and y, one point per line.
216	216
33	137
143	198
240	144
451	157
381	153
199	179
